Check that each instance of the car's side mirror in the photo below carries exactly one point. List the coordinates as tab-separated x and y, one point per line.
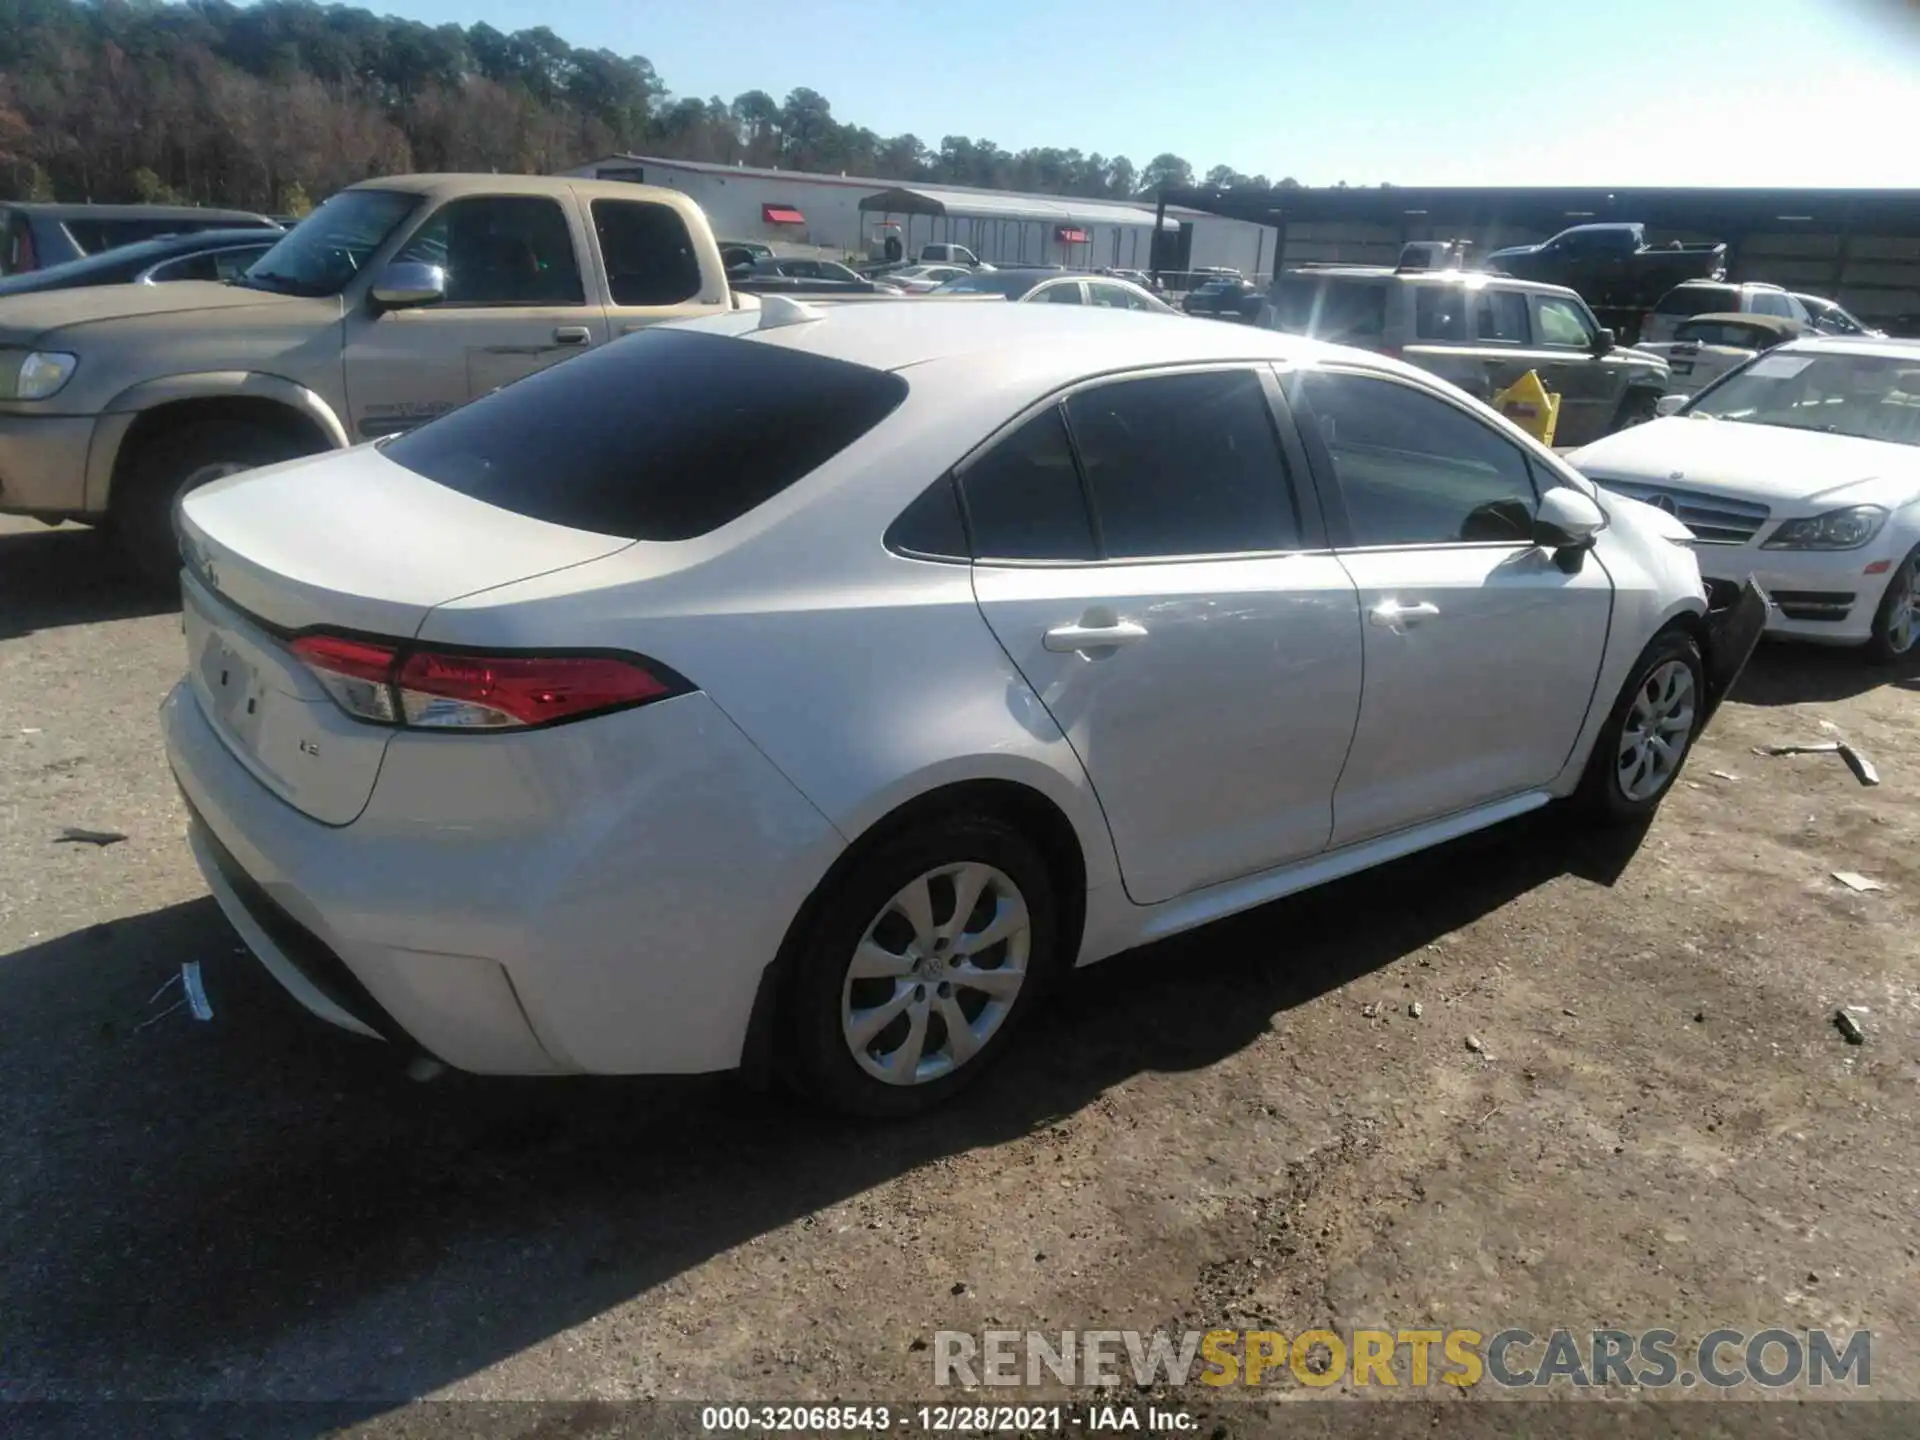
1669	405
1566	523
407	284
1605	342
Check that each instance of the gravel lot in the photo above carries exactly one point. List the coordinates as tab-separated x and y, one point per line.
1245	1125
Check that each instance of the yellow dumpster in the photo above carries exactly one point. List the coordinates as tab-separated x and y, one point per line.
1531	406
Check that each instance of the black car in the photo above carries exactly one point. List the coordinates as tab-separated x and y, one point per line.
36	236
800	275
202	255
1234	299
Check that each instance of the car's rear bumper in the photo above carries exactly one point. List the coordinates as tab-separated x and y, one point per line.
43	464
549	902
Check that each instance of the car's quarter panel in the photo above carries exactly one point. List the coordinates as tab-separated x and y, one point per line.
1213	742
598	866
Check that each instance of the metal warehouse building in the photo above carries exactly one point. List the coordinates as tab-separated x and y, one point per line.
855	215
1860	247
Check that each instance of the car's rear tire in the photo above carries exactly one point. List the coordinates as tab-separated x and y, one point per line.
1636	408
171	464
1896	624
1648	733
897	1000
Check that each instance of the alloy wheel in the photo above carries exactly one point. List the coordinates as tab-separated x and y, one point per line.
1903	617
936	973
1659	723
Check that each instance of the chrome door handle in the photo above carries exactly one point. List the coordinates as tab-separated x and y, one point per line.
1392	615
1066	639
572	335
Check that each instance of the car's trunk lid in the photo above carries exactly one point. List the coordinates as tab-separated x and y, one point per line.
353	544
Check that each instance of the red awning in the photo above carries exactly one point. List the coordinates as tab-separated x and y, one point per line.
1068	236
782	215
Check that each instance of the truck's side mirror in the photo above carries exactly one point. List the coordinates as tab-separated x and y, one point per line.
407	284
1605	342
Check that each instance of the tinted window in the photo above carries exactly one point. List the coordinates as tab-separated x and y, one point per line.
1184	465
1564	323
1023	496
500	250
1342	311
187	267
1502	315
931	526
1771	302
662	436
648	253
1440	312
1697	300
1413	470
1065	293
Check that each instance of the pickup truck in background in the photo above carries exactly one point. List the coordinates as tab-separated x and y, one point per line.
1611	266
395	301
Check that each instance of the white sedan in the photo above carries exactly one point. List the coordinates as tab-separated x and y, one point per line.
922	279
807	689
1802	469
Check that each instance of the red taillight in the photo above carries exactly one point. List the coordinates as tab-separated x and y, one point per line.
497	691
443	690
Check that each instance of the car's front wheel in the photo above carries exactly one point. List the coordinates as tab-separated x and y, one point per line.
921	961
1649	731
1896	624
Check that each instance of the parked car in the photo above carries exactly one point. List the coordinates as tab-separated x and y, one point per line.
1718	297
1707	346
803	275
1133	277
1224	299
943	254
735	253
1830	317
1482	332
199	255
35	236
1013	282
1801	467
394	301
920	279
1102	290
664	714
1610	265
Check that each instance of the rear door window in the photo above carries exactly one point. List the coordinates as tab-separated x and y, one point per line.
1773	302
1501	316
1697	300
1184	465
1023	496
1439	312
648	253
663	436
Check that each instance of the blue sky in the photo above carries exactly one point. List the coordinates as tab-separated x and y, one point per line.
1645	92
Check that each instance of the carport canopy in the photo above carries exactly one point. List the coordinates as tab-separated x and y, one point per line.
1066	211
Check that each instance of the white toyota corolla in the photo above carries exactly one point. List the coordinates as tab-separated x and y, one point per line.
807	689
1809	480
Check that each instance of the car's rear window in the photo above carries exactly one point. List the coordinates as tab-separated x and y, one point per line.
1698	300
664	436
1345	311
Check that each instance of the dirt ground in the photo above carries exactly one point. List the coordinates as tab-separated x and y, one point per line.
1243	1127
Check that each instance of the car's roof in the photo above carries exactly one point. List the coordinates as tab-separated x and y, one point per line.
1700	280
55	210
1061	341
1885	346
1473	279
1785	325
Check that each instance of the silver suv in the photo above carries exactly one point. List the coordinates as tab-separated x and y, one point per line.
1480	331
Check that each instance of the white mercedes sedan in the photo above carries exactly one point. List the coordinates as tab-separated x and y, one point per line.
1801	468
806	689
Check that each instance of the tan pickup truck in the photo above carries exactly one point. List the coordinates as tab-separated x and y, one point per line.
396	300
